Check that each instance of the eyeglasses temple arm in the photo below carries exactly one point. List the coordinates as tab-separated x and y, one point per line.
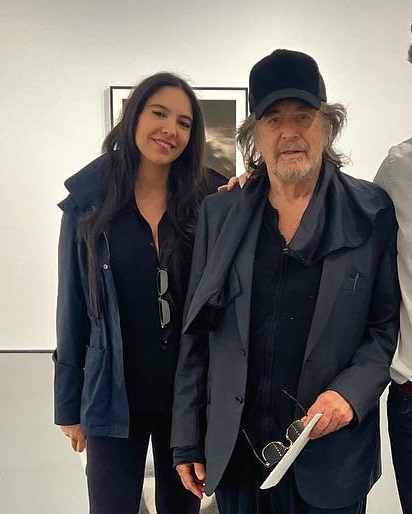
265	463
296	401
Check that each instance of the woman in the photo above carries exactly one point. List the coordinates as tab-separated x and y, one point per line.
124	255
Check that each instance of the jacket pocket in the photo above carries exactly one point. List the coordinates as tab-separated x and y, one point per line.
352	283
96	394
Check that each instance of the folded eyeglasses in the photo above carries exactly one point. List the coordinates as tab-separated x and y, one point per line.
162	288
273	452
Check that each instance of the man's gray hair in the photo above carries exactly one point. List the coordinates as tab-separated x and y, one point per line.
334	116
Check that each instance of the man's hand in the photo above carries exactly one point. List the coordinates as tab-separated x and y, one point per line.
193	476
337	413
76	435
234	181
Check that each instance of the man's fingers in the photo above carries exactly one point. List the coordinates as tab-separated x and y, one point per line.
186	473
200	472
320	426
74	443
337	413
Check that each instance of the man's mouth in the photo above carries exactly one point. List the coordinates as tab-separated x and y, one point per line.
291	153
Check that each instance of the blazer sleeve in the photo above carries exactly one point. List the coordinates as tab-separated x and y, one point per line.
72	325
190	397
364	380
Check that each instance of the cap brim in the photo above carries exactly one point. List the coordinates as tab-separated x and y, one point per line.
299	94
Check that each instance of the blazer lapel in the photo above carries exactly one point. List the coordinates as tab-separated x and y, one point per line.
234	236
244	266
335	269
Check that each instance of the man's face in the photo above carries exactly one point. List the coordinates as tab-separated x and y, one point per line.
290	137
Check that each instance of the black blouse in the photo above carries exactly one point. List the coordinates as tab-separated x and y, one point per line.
149	352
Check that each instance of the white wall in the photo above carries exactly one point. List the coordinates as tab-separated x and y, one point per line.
57	59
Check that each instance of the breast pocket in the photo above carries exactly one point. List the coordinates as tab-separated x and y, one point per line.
350	310
351	283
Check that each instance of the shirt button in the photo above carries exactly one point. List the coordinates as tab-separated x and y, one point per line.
243	351
239	399
105	266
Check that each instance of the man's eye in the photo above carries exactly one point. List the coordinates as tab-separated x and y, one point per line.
305	118
274	120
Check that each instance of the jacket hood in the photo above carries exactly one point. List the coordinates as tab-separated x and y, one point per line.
85	186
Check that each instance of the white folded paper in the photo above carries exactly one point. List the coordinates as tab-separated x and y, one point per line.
287	460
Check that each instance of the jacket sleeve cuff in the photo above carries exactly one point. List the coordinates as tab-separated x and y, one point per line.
186	454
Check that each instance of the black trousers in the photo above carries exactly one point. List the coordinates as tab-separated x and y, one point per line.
238	491
115	470
400	434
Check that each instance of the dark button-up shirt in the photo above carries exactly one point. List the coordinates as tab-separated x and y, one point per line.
284	293
149	352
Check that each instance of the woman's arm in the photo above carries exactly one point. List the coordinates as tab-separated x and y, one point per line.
73	327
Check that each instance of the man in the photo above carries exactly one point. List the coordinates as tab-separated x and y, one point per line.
293	295
395	176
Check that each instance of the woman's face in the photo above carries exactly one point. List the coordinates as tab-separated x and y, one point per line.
164	126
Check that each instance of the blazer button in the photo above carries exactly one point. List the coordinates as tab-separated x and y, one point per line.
239	399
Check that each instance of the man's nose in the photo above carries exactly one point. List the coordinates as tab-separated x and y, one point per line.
289	127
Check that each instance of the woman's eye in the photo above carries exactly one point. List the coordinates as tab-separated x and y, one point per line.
185	124
159	114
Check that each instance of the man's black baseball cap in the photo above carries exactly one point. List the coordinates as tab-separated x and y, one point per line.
285	74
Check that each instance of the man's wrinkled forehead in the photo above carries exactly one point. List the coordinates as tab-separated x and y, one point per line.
289	104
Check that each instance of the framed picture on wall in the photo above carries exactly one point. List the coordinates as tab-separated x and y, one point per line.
224	109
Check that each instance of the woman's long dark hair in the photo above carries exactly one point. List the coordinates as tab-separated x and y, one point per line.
186	181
